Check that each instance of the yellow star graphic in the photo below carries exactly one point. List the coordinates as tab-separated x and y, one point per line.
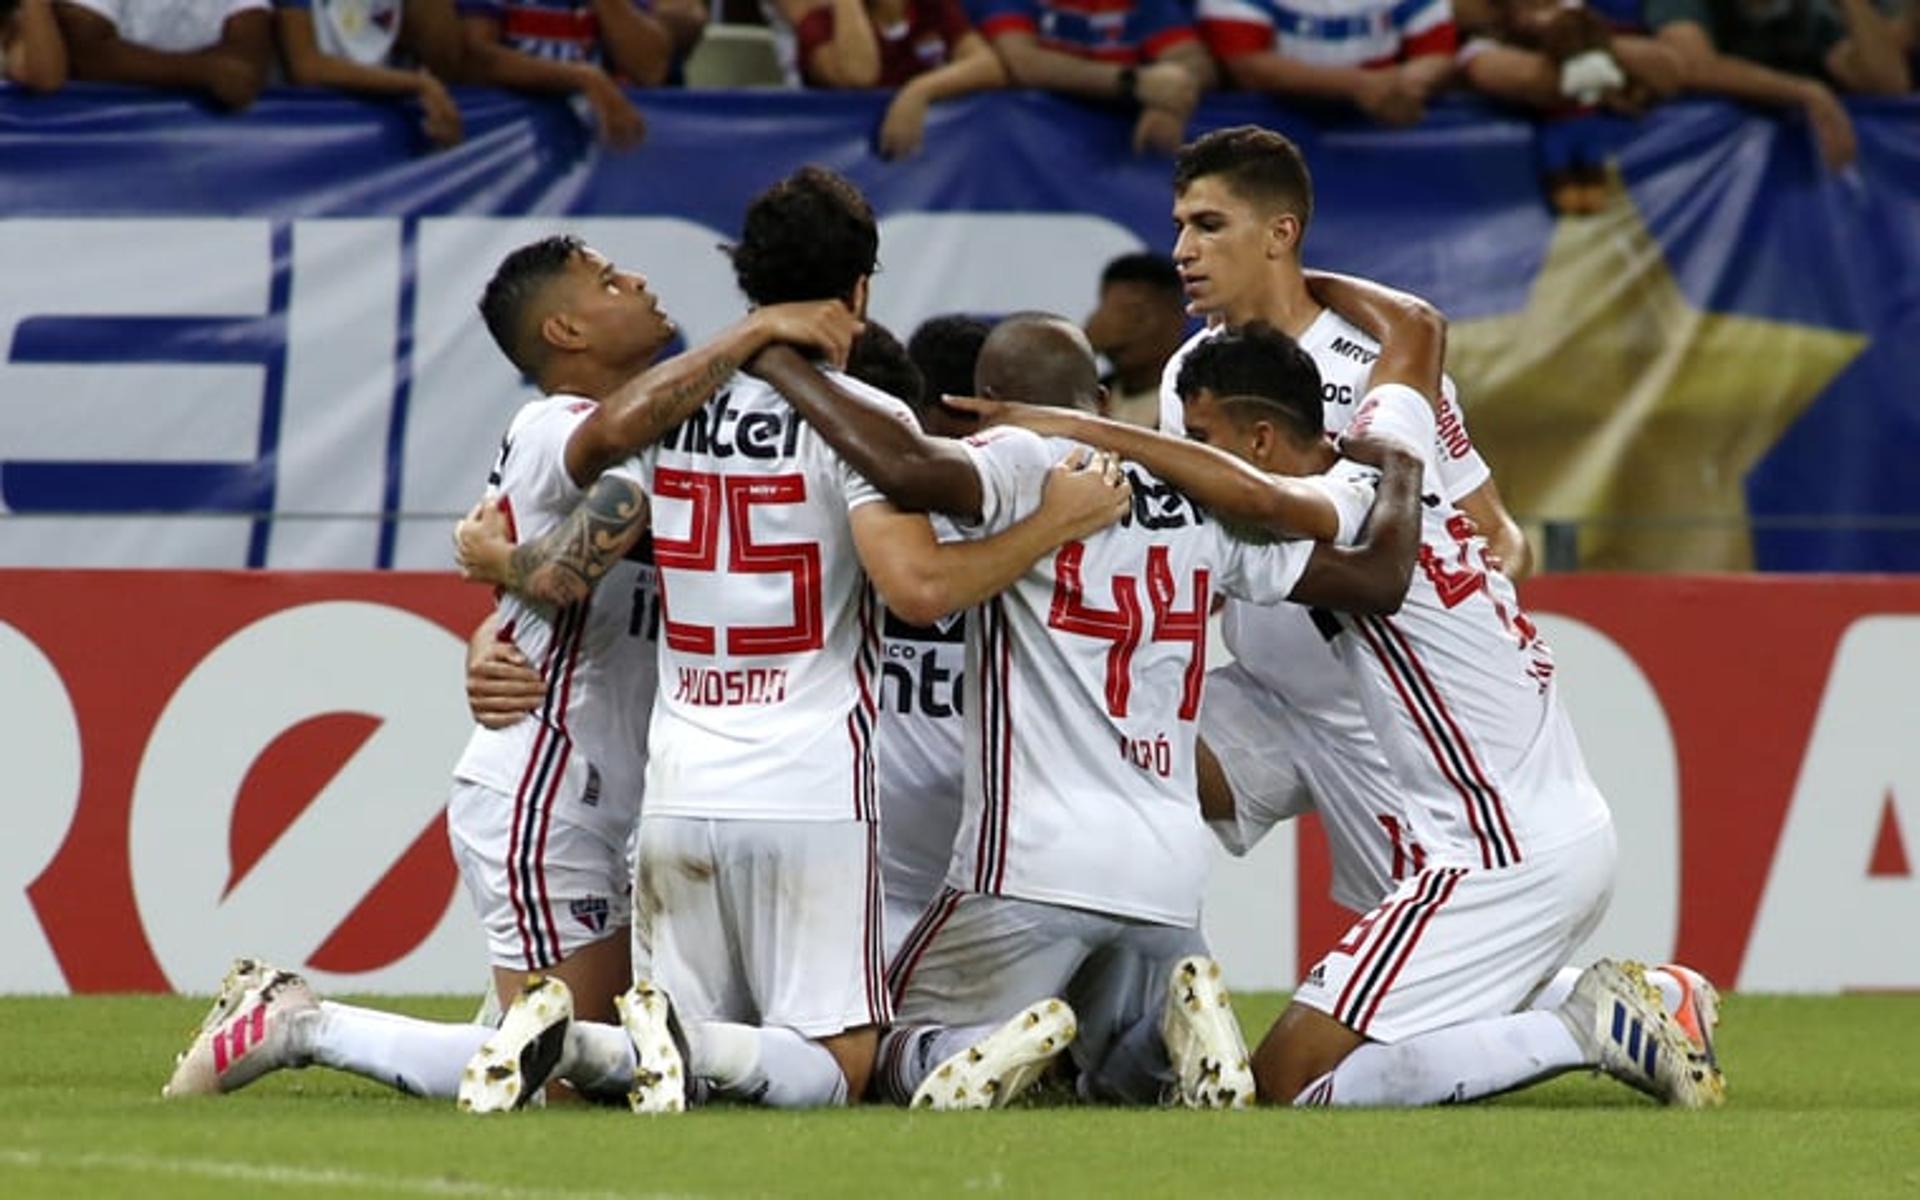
1611	398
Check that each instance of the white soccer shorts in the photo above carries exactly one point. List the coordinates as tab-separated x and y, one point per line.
544	885
765	922
1456	944
975	959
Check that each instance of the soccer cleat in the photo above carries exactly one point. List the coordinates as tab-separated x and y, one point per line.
1616	1016
242	977
993	1072
660	1080
1699	1012
246	1035
1210	1062
511	1068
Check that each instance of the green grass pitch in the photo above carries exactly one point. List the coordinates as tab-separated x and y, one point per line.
1824	1102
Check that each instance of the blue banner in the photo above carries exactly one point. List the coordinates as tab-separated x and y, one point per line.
257	332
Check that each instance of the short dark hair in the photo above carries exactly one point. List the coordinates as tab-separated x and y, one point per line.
945	348
1154	270
1039	358
1258	164
1255	371
517	281
811	236
880	360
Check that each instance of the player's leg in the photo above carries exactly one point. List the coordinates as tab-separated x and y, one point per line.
977	988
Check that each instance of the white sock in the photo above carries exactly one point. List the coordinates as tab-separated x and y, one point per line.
421	1058
598	1060
1555	993
764	1065
909	1053
1464	1062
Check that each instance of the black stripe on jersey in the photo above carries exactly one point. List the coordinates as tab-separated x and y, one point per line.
568	627
1392	943
1325	622
1393	657
992	629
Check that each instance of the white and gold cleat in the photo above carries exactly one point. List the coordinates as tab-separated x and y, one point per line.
511	1068
659	1050
1210	1062
1616	1015
994	1071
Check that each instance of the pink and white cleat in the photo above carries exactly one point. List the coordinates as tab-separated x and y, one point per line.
262	1030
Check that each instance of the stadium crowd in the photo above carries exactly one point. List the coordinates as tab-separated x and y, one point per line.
1386	59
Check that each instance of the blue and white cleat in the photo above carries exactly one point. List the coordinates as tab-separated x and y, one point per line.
1616	1016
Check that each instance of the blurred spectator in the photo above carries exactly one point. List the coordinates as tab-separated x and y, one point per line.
561	46
945	349
1140	321
1562	59
925	48
31	52
878	359
221	47
1387	58
1788	53
351	44
1140	52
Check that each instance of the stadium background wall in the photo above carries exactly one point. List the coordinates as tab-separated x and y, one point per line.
257	331
207	763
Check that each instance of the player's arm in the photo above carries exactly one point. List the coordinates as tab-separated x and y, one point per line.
914	471
566	563
232	70
922	579
1372	575
486	59
1413	339
636	42
647	408
502	685
1217	481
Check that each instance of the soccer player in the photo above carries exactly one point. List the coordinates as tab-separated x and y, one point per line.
541	809
1416	1004
760	897
1081	859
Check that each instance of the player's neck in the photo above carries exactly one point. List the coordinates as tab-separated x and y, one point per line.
1285	304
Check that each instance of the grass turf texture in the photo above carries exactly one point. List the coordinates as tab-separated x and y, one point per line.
1824	1101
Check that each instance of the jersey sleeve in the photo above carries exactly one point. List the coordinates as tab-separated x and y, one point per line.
1013	465
1234	28
535	462
1263	573
1460	465
1349	486
853	484
995	17
1397	411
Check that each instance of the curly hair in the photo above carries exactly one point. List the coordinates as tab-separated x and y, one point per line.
878	359
1258	164
945	348
521	277
1257	367
809	237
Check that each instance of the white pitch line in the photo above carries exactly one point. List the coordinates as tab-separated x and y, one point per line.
324	1177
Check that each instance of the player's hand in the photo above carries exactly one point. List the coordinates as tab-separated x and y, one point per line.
904	129
828	326
482	544
230	80
502	685
1377	450
439	115
621	125
995	412
1832	127
1085	493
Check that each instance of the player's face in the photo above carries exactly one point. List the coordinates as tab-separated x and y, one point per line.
1224	248
1208	422
621	316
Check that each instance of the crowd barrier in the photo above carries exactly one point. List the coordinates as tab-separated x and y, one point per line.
202	764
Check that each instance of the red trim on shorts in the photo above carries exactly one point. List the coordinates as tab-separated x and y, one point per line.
924	930
1425	918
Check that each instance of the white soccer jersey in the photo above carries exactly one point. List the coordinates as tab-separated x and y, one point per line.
918	753
1285	649
770	634
1083	682
1459	687
597	656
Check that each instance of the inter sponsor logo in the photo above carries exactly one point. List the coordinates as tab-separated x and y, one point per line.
721	432
922	677
1158	505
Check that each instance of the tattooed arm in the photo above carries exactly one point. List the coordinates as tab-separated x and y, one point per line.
566	563
646	408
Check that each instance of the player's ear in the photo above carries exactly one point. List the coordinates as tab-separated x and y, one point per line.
1283	235
858	301
561	331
